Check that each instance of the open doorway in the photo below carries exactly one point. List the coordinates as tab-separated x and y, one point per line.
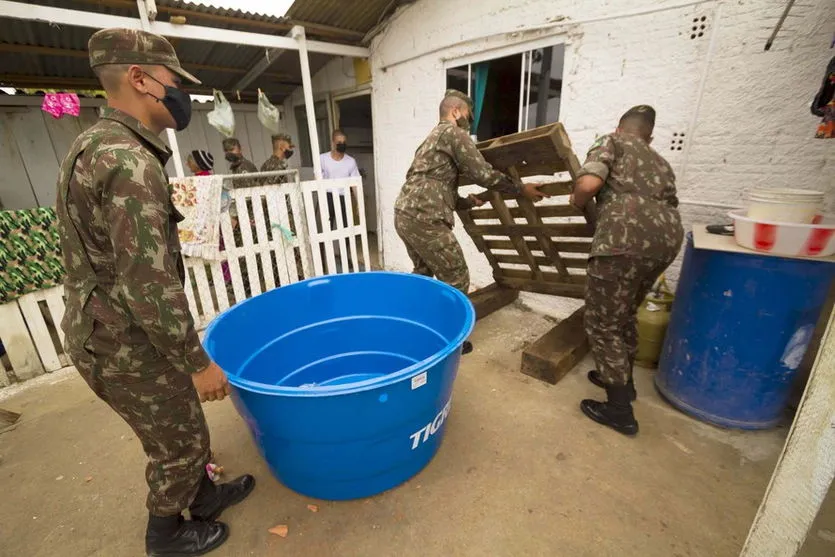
352	115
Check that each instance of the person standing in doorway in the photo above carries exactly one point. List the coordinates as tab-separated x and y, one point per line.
424	212
638	235
336	164
238	164
201	163
282	150
128	329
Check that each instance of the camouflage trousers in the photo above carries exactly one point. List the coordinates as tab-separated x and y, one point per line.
616	287
162	407
434	251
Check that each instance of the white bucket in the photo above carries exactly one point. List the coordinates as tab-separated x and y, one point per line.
785	205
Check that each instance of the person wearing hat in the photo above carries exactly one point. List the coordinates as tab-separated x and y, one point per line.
424	212
127	323
201	163
282	150
638	235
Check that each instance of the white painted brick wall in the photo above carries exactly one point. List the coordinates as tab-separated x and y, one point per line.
753	127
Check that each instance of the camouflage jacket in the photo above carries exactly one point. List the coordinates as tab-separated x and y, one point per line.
431	190
637	207
118	227
271	165
244	167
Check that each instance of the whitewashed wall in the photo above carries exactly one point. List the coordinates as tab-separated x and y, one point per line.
33	144
751	127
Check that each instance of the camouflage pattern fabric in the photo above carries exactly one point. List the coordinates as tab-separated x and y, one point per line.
132	46
274	164
617	285
127	322
637	207
30	252
244	167
434	251
431	190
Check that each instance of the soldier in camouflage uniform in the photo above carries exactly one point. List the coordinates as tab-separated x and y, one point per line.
282	150
638	235
424	212
127	323
238	164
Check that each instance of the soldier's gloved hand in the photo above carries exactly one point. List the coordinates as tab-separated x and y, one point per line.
531	191
211	383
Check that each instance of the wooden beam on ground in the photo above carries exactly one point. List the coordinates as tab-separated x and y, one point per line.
556	353
492	298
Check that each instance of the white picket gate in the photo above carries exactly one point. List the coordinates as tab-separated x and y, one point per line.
266	258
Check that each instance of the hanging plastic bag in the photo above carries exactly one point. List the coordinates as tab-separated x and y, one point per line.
222	118
267	113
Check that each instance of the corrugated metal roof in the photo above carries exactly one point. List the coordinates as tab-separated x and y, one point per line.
354	15
63	62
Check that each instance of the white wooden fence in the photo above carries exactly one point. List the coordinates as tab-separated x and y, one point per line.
266	258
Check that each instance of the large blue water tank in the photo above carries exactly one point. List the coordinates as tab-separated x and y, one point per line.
738	331
345	381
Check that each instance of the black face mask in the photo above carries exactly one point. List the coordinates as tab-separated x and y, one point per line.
177	102
232	157
341	147
288	153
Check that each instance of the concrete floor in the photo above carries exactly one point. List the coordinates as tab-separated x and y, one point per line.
521	472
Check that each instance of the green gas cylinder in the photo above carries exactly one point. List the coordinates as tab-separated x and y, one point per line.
653	318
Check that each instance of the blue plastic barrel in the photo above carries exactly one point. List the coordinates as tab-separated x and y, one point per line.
738	331
345	381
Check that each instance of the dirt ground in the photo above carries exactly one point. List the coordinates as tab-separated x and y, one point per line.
521	472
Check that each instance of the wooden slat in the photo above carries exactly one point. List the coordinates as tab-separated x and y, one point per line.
203	291
18	344
550	188
220	286
556	353
546	276
563	146
527	207
277	212
248	242
544	211
531	152
363	239
562	229
570	262
189	291
568	247
39	332
263	241
302	207
350	237
540	287
327	233
517	240
55	302
232	252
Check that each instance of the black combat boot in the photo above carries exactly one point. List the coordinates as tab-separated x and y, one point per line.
172	536
467	347
616	412
595	377
211	499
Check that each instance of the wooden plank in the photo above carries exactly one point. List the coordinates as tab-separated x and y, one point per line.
547	276
492	298
516	238
327	232
37	154
264	245
363	223
277	213
539	287
232	252
570	230
544	211
479	240
55	302
39	332
18	344
304	242
568	247
220	286
189	291
351	236
248	250
312	230
556	353
563	146
204	291
569	262
531	152
15	189
551	188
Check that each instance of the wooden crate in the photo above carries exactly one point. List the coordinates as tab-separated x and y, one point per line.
539	248
535	248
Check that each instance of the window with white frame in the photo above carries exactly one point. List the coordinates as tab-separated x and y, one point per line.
512	93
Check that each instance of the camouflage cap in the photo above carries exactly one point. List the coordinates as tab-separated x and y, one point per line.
643	110
134	46
282	137
460	95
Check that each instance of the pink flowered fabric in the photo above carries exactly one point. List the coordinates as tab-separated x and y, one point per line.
58	104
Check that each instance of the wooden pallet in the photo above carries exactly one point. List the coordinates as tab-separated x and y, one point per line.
539	248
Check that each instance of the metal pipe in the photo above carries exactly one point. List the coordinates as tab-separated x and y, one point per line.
528	90
543	93
521	92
